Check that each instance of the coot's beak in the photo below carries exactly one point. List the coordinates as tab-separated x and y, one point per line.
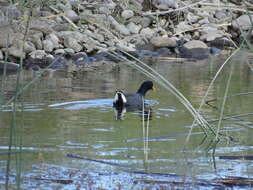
153	88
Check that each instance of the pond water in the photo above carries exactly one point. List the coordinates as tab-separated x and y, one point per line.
68	129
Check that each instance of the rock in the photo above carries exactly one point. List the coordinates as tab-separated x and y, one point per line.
110	4
145	22
147	32
194	49
165	4
243	22
6	37
196	35
222	43
79	55
59	52
192	18
126	47
69	50
164	51
133	28
36	39
16	52
34	67
119	27
1	55
163	42
9	66
74	2
220	14
105	56
29	47
72	15
50	56
59	62
204	21
183	27
43	25
54	39
214	50
73	44
126	14
72	34
48	45
8	14
38	54
210	35
104	10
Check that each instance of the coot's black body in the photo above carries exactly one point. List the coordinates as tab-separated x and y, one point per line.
132	100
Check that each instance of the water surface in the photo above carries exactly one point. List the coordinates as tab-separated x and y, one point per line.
65	114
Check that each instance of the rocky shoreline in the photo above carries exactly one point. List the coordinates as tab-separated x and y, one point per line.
85	32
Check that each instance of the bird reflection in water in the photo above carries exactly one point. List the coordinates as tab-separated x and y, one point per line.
121	111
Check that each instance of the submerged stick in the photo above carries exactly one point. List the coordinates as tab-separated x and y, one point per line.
98	161
250	157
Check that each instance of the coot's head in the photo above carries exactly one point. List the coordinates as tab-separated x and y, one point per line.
146	86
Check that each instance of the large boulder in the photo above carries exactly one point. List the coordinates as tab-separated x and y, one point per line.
159	42
194	49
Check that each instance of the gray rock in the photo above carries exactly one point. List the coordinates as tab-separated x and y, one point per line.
36	39
6	37
9	66
147	32
54	39
192	18
126	47
39	54
195	44
104	10
222	43
29	47
110	4
204	21
220	14
210	35
71	34
183	27
165	4
145	22
133	28
16	52
43	25
49	56
243	22
126	14
194	49
203	14
8	14
159	42
72	15
48	45
74	2
69	50
1	55
59	52
119	27
73	44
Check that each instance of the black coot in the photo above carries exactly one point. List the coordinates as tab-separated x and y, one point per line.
133	100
